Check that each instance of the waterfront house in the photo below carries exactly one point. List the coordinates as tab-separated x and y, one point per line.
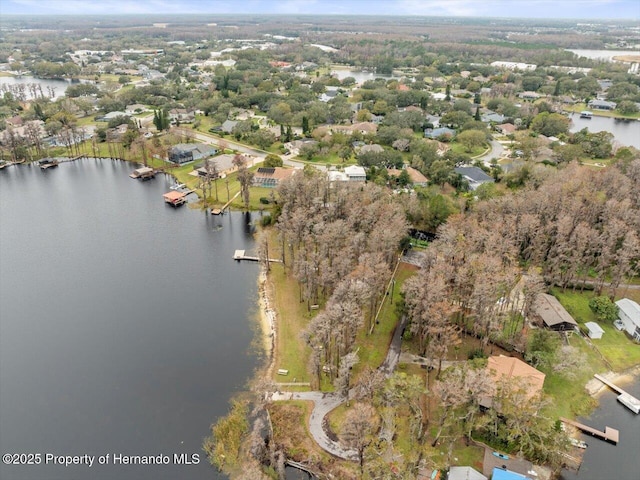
270	177
602	105
188	152
513	370
629	315
552	314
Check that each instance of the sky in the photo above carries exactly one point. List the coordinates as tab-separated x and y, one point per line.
560	9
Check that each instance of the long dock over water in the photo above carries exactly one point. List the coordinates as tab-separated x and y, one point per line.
241	255
219	211
628	400
610	435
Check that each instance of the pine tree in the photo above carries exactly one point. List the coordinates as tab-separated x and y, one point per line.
477	115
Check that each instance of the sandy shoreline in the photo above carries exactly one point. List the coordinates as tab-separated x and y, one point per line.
595	387
627	58
267	322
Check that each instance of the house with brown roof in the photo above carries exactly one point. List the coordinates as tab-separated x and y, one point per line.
506	128
270	177
417	178
552	314
513	370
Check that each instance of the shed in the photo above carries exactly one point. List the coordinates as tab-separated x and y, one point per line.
595	330
465	473
553	314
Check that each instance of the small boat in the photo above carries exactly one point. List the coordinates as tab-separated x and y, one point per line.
177	186
578	443
586	114
501	455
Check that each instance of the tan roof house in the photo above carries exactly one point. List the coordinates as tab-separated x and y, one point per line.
509	369
512	372
552	314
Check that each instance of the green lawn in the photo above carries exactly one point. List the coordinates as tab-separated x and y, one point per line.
291	352
373	348
614	345
461	149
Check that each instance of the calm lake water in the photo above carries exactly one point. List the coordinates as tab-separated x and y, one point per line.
125	325
603	461
359	75
603	54
625	132
59	86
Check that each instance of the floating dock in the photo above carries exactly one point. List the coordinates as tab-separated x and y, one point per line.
610	435
628	400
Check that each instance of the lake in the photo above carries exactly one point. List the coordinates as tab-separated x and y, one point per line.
125	325
625	132
59	86
603	460
606	55
359	75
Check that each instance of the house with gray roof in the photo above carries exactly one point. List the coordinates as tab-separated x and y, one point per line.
474	175
629	315
602	105
227	126
439	132
465	473
188	152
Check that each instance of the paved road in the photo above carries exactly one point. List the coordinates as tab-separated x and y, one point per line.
497	151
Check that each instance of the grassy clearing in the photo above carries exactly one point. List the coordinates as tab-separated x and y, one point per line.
290	420
461	149
619	351
373	348
291	352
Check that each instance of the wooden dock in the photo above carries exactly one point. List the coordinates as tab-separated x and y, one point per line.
610	435
241	255
219	211
625	398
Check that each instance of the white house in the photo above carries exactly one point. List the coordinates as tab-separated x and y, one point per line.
595	330
629	314
356	173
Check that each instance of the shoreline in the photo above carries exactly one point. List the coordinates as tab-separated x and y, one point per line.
595	387
267	320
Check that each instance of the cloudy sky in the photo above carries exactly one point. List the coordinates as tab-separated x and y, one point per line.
595	9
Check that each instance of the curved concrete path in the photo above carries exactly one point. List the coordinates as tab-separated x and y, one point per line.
323	403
